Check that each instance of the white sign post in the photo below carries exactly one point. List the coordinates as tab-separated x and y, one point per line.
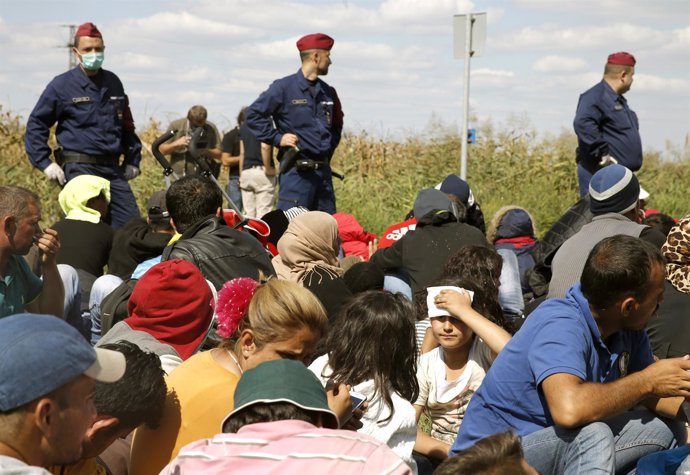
469	37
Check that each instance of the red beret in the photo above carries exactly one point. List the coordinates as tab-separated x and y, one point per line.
315	41
88	29
622	58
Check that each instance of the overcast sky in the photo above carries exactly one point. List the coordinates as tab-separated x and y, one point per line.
393	61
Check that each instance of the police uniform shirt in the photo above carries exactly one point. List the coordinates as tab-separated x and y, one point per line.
93	118
605	125
309	109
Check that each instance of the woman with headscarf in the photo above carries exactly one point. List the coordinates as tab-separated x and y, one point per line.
669	327
308	255
85	240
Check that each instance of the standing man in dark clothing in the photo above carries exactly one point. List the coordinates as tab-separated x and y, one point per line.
95	127
208	144
607	130
257	176
230	158
308	117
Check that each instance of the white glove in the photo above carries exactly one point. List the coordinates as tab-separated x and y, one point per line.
55	172
607	160
131	172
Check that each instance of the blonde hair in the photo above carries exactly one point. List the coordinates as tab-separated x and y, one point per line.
279	309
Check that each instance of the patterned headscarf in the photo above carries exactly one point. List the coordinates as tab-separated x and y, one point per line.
310	240
676	250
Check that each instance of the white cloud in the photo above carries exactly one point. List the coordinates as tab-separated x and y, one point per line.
557	37
492	73
592	9
143	61
179	27
651	83
558	64
421	11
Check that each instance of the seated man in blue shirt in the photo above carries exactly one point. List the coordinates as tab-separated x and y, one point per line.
20	289
567	380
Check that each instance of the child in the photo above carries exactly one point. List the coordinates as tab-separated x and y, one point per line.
449	374
371	346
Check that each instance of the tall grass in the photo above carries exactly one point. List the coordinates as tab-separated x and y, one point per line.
509	165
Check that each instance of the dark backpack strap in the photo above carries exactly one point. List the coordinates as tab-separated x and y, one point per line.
114	305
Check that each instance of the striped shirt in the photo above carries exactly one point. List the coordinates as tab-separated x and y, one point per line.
287	447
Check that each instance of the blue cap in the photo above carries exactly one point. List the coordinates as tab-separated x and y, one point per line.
613	189
455	185
40	353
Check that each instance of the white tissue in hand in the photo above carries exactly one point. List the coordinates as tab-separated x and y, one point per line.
432	292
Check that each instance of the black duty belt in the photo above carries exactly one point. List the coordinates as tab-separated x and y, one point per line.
71	157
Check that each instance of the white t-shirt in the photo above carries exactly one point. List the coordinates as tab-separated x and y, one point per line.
13	466
445	402
399	432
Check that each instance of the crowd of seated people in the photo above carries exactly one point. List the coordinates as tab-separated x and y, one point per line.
179	344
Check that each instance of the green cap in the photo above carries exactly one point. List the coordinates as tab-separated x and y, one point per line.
283	381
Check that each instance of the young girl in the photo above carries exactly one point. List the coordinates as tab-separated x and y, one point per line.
371	346
481	265
449	375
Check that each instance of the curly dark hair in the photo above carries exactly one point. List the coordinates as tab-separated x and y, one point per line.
373	338
475	268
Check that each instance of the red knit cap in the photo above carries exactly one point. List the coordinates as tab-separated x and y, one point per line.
622	58
315	41
173	303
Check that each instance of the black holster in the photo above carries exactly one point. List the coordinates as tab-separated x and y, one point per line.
59	155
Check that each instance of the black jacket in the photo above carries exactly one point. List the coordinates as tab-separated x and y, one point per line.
423	253
220	252
134	243
669	327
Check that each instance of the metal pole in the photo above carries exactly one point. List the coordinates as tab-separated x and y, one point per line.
466	102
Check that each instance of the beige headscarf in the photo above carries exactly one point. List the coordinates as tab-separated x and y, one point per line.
310	240
676	250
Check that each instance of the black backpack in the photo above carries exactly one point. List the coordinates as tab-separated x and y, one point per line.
114	305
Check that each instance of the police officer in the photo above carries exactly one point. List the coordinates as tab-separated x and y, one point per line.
308	117
606	128
95	127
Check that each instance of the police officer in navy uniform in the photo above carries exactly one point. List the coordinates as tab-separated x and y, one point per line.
95	127
308	117
606	128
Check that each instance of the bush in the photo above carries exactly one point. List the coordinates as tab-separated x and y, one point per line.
509	165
